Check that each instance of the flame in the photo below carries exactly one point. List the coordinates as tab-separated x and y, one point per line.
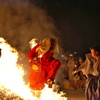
11	76
33	42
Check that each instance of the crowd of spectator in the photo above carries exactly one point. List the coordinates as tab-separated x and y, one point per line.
69	64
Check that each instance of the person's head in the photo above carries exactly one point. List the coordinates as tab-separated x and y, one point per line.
95	51
48	45
81	59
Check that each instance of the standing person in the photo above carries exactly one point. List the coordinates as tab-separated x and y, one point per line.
91	68
71	64
0	52
43	66
62	75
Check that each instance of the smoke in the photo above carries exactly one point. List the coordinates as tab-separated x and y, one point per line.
15	2
20	24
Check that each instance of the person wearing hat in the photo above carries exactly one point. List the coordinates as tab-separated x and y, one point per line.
43	66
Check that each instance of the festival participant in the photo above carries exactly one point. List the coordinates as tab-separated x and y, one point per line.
0	52
91	68
43	66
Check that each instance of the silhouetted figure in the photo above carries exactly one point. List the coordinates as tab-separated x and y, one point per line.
0	52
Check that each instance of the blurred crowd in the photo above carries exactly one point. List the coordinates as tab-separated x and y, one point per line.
65	77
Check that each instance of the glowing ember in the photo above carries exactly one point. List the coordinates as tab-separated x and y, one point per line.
11	77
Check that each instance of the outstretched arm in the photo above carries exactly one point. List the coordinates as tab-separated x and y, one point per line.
81	68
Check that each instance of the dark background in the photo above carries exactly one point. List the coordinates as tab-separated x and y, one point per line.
77	20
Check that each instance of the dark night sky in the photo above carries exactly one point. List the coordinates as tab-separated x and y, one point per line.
77	20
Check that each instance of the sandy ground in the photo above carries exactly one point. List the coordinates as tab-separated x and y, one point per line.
73	94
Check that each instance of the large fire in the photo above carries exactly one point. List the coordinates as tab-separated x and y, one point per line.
11	77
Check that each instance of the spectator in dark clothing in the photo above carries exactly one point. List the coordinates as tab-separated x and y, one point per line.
0	52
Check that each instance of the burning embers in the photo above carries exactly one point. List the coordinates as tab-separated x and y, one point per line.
6	94
12	85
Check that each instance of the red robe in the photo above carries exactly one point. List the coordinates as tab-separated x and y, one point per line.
42	69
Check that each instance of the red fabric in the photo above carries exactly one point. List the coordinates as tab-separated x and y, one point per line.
45	68
32	53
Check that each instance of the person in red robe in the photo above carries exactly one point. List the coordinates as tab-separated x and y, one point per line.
43	66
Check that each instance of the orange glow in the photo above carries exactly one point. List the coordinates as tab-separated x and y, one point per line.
11	76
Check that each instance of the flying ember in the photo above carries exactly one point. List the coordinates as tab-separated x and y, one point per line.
11	77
